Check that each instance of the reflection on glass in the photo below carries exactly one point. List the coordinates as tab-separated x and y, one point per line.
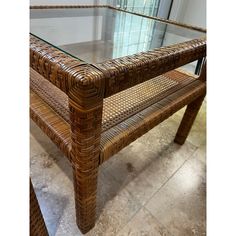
99	34
147	7
133	34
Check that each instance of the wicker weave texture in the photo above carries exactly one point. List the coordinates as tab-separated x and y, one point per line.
123	113
119	106
37	224
86	128
111	76
124	133
77	109
51	124
125	72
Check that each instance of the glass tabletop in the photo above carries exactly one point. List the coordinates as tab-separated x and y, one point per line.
98	34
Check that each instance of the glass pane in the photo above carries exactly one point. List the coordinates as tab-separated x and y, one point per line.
98	34
147	7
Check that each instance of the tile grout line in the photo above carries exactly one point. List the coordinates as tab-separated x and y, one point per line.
168	179
110	173
143	206
129	219
157	220
135	213
165	182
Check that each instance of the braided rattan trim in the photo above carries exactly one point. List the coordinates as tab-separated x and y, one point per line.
66	6
37	224
120	9
121	135
172	22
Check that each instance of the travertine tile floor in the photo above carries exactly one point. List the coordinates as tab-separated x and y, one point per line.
153	187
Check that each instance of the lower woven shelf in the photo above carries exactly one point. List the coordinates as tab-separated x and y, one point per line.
125	130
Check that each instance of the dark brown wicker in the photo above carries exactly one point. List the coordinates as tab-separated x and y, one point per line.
93	111
37	224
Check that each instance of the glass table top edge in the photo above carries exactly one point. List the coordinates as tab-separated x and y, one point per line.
109	60
167	21
78	57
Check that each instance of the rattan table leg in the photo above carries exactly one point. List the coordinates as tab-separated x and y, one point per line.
187	120
85	187
37	224
86	125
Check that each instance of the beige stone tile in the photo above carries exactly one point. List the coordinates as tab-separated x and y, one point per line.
115	207
115	215
43	169
181	204
159	171
125	182
52	178
128	163
143	223
55	195
200	154
35	147
39	142
146	164
107	189
142	189
66	223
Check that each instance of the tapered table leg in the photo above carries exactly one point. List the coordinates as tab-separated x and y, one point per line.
187	120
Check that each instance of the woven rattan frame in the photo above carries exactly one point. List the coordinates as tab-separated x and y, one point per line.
37	224
87	85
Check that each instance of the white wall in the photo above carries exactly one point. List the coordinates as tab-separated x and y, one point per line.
191	12
65	29
196	13
68	2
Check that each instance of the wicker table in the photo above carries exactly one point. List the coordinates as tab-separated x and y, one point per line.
101	77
